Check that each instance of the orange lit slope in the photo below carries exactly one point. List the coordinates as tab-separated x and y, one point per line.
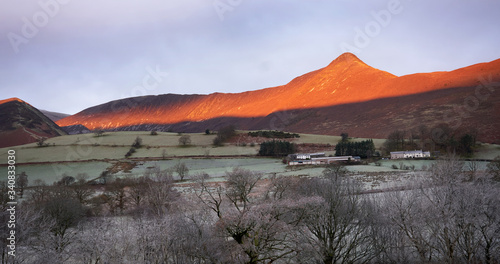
345	80
13	99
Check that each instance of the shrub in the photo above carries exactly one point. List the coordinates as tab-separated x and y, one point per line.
185	140
130	152
137	142
218	141
41	142
98	132
273	134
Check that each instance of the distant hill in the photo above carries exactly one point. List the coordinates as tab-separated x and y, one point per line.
76	129
21	123
346	84
54	116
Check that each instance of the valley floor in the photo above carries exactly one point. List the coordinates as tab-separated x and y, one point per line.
91	156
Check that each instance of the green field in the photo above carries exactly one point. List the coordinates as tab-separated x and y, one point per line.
75	154
114	145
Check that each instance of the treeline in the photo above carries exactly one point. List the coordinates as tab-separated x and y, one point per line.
364	149
444	218
273	134
438	138
277	148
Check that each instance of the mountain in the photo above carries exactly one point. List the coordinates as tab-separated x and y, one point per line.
21	123
54	116
76	129
346	81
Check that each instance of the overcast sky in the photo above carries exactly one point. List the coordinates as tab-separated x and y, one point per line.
67	55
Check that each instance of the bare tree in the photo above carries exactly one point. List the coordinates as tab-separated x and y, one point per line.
395	141
197	241
21	183
261	230
472	167
54	231
210	195
164	154
405	238
446	219
488	224
240	183
344	137
494	168
116	196
161	196
31	226
339	227
447	171
95	240
182	170
185	140
82	192
138	191
40	193
4	195
281	187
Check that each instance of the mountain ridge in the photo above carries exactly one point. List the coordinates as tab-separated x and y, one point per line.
345	80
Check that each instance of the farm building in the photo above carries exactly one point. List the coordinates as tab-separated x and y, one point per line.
410	154
317	159
307	156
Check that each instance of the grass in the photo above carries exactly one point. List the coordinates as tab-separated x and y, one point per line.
89	154
487	151
214	167
53	172
114	145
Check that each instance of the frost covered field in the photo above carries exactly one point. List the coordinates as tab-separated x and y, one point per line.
197	203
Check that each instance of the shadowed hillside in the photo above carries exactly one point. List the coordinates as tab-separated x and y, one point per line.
21	123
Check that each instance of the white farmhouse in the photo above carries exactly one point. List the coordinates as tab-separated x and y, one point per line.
410	154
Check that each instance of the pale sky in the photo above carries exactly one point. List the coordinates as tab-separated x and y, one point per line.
68	55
